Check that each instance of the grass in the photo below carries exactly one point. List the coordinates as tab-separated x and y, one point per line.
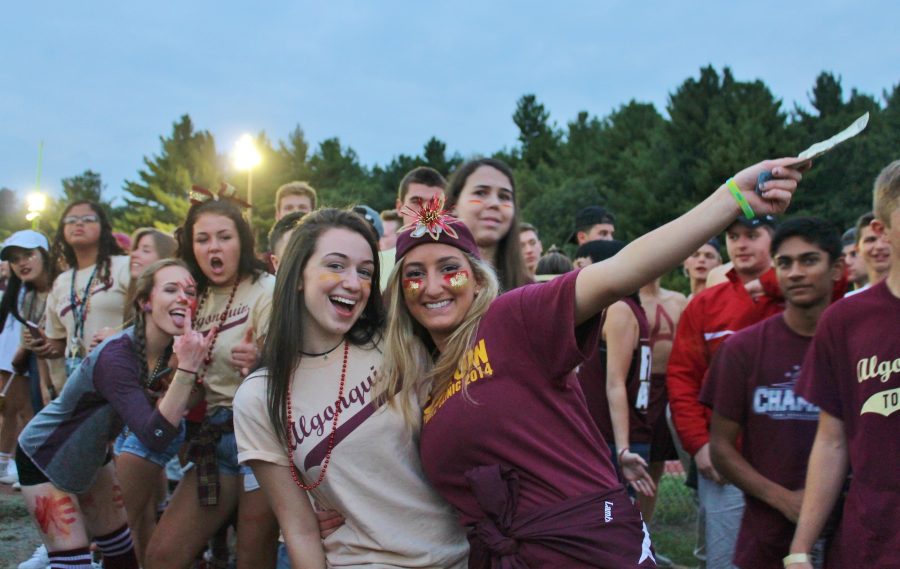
674	526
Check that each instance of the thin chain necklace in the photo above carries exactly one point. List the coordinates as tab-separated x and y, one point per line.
201	373
331	438
320	354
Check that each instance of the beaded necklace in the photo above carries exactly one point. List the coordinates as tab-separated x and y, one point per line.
152	381
201	373
334	424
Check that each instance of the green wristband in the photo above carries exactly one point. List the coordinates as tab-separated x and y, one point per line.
739	197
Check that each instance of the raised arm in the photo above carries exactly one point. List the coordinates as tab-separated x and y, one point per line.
659	251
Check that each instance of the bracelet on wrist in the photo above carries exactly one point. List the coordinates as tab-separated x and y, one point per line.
795	558
622	452
740	198
194	381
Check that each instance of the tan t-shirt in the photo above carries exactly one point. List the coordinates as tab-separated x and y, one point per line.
105	308
375	479
252	306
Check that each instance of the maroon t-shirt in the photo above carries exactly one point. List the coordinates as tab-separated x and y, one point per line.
852	371
527	410
751	382
592	376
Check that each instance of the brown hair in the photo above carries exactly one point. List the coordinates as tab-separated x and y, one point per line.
296	188
390	215
509	264
421	175
142	289
284	341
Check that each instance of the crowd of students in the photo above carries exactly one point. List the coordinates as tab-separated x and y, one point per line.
427	388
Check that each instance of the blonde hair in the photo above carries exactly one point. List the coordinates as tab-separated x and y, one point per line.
408	363
887	192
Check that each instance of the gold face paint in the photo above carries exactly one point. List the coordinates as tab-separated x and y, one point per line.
329	278
412	288
476	202
457	280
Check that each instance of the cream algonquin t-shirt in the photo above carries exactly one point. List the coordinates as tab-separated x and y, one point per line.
252	306
106	307
375	480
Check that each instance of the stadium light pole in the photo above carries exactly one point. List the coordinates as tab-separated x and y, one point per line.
247	157
36	202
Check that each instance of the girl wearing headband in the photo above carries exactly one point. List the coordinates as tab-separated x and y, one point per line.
506	437
235	297
308	423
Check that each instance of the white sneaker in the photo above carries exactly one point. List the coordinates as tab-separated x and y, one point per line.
11	476
39	559
17	487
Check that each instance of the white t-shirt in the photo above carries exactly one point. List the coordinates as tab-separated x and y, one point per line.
252	306
375	479
105	307
9	342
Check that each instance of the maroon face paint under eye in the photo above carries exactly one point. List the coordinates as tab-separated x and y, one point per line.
458	279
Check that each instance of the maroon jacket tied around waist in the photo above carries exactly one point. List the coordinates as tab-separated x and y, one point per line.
597	530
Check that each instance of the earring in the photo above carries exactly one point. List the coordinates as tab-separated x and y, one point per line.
147	307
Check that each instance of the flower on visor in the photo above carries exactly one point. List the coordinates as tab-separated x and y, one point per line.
432	219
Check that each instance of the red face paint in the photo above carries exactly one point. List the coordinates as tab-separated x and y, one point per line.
412	287
58	513
117	498
457	280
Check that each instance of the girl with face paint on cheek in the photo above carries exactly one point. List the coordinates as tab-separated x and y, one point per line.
76	501
234	297
482	194
309	423
504	427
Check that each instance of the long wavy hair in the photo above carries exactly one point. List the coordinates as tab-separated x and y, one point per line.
508	263
409	364
282	352
107	246
9	305
142	289
248	264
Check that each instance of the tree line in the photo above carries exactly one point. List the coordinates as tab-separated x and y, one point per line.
644	166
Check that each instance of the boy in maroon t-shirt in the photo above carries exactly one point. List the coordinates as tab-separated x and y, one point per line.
750	388
852	371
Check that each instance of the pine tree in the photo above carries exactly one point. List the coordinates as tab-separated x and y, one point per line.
160	198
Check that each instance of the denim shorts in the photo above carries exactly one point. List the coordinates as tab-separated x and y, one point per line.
128	442
226	449
250	481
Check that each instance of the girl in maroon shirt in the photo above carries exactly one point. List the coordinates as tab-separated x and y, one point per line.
506	438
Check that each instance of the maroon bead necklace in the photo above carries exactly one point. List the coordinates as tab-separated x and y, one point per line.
331	438
201	374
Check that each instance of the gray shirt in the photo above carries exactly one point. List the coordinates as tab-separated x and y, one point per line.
69	439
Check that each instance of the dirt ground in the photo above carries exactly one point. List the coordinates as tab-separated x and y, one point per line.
18	537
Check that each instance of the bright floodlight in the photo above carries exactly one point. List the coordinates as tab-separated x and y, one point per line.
36	202
246	157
